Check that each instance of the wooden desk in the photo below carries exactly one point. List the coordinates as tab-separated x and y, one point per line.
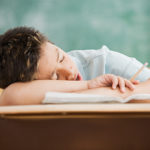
75	127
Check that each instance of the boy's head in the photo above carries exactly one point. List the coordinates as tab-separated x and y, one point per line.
19	54
26	55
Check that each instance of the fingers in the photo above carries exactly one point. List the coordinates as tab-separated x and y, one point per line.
123	83
129	84
114	82
135	82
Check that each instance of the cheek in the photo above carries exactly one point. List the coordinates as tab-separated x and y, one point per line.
72	63
43	71
69	61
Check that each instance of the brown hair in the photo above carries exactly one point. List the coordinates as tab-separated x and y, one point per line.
19	54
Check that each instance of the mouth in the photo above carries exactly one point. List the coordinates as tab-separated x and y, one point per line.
78	77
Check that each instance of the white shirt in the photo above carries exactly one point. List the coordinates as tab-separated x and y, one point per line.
93	63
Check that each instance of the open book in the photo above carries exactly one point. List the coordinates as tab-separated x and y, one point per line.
61	98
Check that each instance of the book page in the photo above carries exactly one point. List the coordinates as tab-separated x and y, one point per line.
61	98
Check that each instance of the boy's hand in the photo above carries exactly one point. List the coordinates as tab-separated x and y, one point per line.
111	80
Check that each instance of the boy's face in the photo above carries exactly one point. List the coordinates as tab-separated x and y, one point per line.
55	64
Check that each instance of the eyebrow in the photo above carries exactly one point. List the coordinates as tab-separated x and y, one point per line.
56	61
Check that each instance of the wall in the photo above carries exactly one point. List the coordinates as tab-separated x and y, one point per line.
122	25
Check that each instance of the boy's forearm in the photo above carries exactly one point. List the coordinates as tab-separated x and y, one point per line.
33	92
43	86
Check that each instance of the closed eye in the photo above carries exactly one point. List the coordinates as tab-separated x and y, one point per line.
62	59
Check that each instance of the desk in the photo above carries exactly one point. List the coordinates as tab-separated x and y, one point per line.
75	127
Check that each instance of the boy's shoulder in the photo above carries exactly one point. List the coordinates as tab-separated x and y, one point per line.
90	53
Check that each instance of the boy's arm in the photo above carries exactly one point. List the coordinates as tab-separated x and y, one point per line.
122	65
33	92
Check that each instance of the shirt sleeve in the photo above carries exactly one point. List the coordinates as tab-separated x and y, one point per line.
124	66
91	62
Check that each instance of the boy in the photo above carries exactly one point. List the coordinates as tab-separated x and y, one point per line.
27	55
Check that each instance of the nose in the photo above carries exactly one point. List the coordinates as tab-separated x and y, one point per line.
70	77
66	73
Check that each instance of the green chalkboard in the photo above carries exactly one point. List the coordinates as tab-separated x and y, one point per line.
122	25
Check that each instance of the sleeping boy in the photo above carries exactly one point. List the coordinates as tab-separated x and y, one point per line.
31	65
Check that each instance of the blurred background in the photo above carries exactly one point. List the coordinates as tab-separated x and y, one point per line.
122	25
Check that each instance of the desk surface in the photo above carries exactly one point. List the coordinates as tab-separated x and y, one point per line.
95	108
76	111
